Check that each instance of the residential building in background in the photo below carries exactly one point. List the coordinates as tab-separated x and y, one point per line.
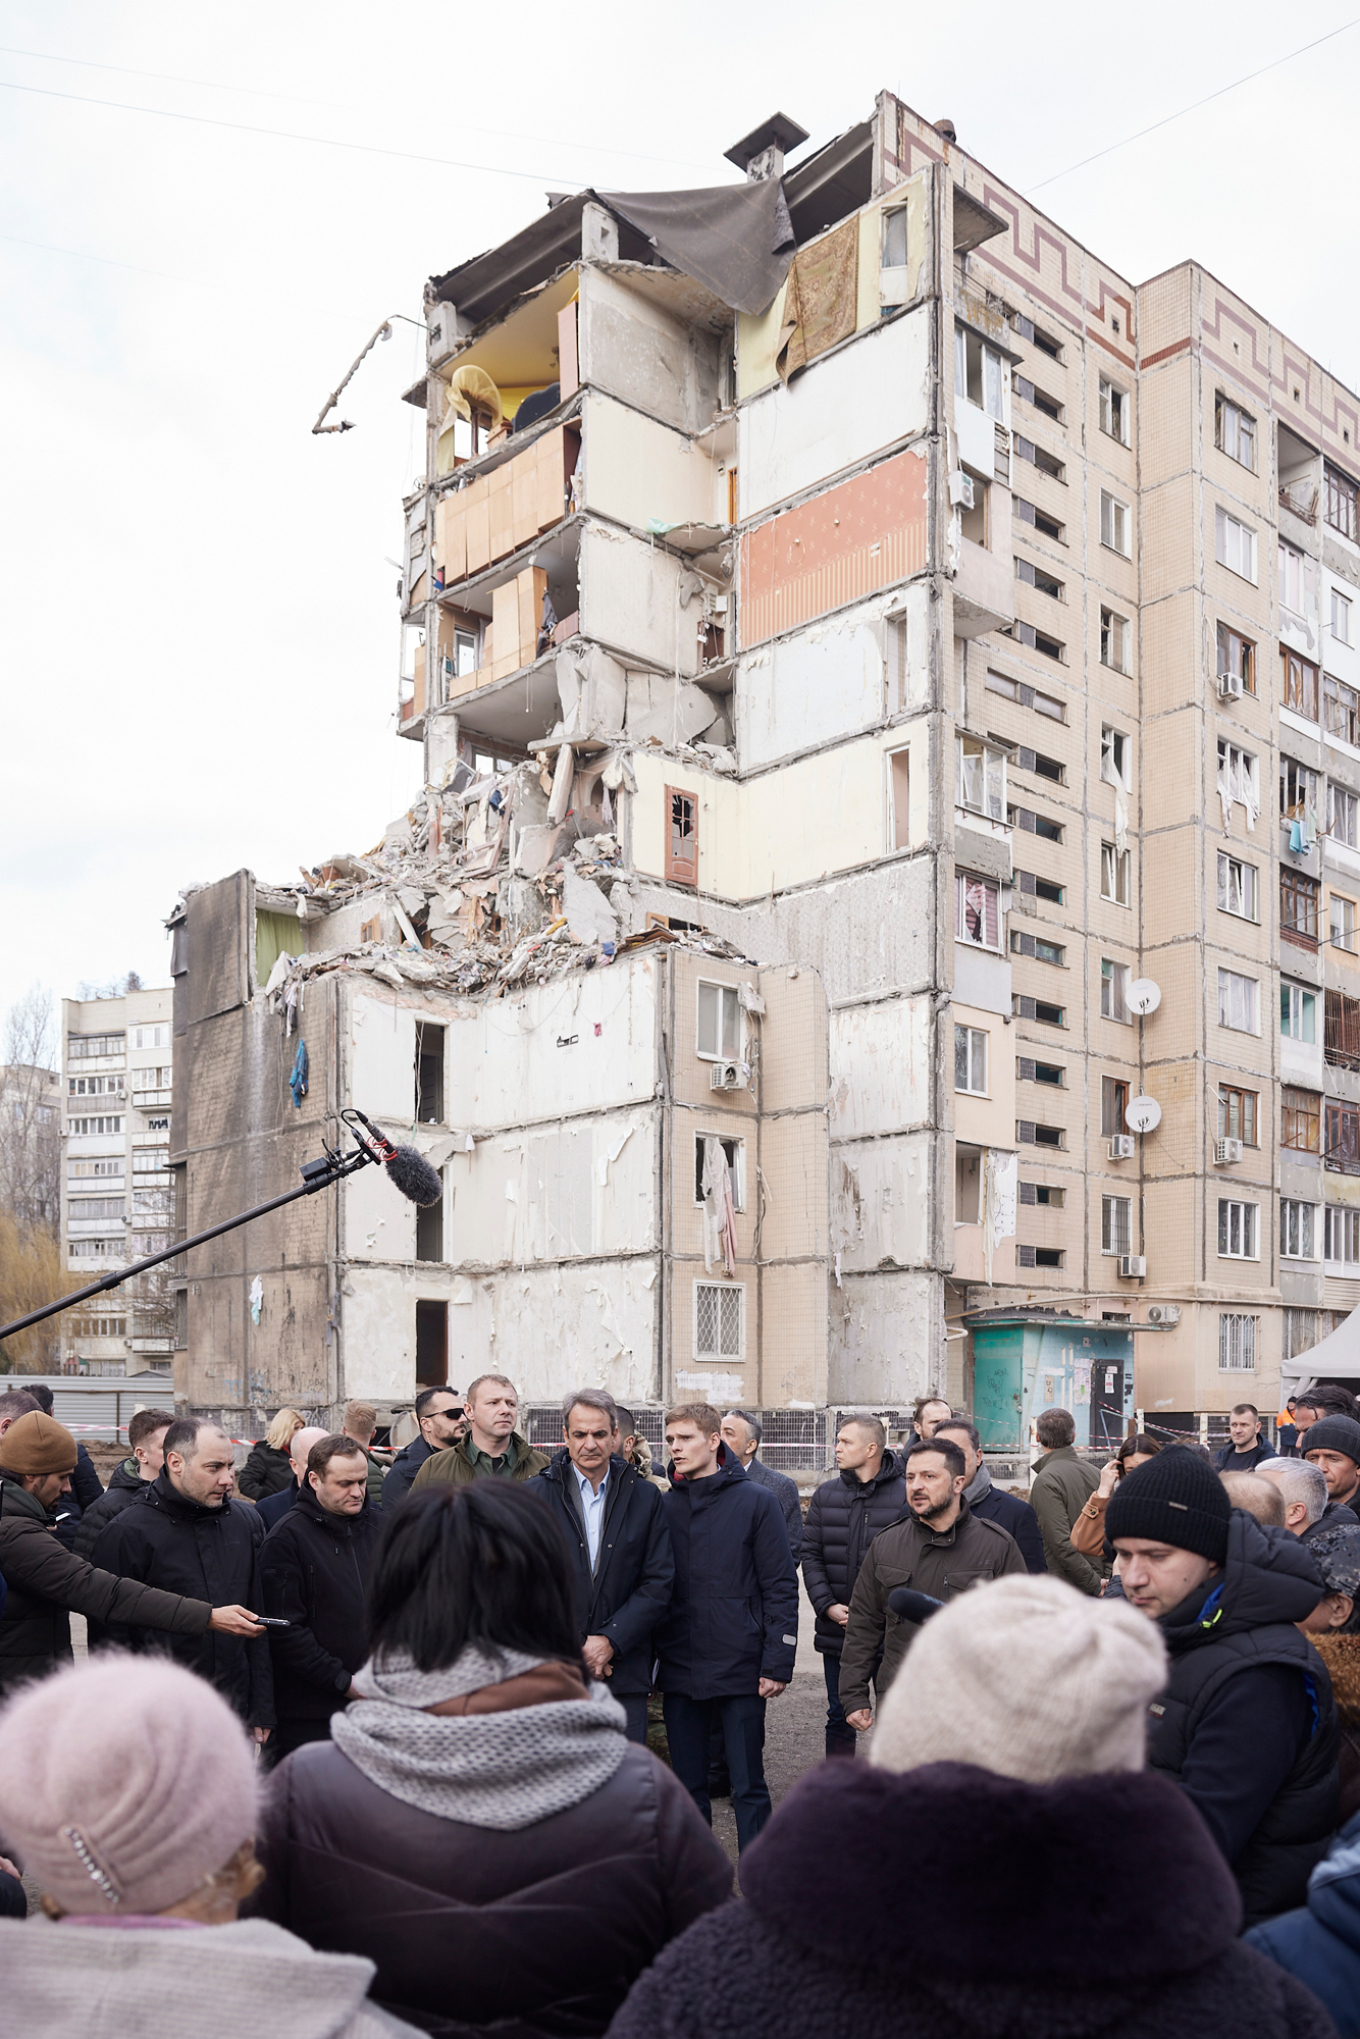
116	1083
870	591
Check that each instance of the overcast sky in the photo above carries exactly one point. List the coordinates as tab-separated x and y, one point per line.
199	627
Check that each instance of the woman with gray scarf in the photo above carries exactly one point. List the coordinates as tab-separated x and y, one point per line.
479	1826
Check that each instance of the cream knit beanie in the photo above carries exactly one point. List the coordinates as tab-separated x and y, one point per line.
1028	1678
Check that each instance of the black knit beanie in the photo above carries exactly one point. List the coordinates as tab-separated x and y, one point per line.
1332	1433
1175	1498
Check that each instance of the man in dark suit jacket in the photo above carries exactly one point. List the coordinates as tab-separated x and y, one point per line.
614	1522
274	1507
1008	1511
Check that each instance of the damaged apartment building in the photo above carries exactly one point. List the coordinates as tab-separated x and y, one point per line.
849	941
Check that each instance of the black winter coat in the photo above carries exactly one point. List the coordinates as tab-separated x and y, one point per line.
125	1485
264	1472
947	1903
1246	1722
844	1516
1259	1451
403	1469
275	1506
314	1568
86	1489
734	1614
631	1588
1017	1518
211	1553
539	1931
786	1493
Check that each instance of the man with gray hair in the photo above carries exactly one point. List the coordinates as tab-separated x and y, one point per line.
615	1526
742	1431
1303	1489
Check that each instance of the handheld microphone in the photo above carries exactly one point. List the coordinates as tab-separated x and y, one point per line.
911	1605
407	1168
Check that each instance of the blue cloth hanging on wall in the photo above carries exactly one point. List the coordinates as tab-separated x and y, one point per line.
297	1082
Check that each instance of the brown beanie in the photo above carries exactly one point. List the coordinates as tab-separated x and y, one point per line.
36	1444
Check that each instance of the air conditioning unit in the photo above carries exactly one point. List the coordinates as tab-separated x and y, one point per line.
1123	1147
1132	1266
1230	686
1226	1151
725	1076
1164	1313
961	489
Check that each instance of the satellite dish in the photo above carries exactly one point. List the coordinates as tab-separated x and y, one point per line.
1144	996
1143	1114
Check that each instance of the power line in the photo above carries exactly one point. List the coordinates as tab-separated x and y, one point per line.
1237	83
79	255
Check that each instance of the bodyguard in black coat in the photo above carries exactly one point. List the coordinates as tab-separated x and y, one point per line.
844	1516
125	1485
624	1595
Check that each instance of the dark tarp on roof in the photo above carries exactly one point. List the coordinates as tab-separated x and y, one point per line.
735	239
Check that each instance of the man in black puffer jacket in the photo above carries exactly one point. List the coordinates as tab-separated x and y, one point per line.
146	1437
1246	1724
844	1516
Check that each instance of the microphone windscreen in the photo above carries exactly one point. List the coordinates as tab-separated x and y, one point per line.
910	1605
414	1177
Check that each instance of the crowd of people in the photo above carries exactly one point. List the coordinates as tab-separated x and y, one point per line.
430	1741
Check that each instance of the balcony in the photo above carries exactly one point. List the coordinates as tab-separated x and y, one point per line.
151	1100
498	512
984	590
1341	1031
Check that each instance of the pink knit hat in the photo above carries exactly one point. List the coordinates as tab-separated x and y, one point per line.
124	1783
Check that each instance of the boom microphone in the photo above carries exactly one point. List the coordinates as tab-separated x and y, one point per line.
407	1168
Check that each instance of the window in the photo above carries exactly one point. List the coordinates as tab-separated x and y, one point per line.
1114	874
1040	398
1340	710
974	522
81	1046
1291	578
95	1249
1116	764
1298	789
1341	1030
1300	1119
1116	526
1296	1230
1237	1114
734	1152
1342	811
83	1171
1039	456
1341	1151
1035	577
1237	1229
1238	1006
150	1037
1341	1235
1341	617
1039	1009
1035	824
429	1098
1341	922
1030	513
1238	781
1036	336
1339	502
981	778
96	1207
967	1185
82	1127
1114	641
1116	1224
1299	908
1028	883
1037	640
94	1086
1237	887
970	1060
1114	1102
1042	1193
717	1036
682	838
899	789
1023	759
1027	696
1042	951
976	910
1114	410
1114	991
153	1077
1234	433
1298	1021
1031	1133
978	373
1237	654
1039	1256
719	1320
1236	1343
1030	1071
1235	546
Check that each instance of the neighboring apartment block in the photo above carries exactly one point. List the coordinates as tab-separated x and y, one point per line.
851	569
116	1080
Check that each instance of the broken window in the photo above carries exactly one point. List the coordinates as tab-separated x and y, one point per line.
1114	874
1114	991
981	778
1038	1009
1339	502
1114	410
1036	577
432	1345
682	837
1298	784
1114	641
967	1185
1039	456
430	1230
1341	1150
1037	337
1342	811
1237	892
1114	1102
899	788
1298	1012
1116	767
1042	951
1341	922
1296	1229
1042	1193
1237	655
718	1033
719	1320
1234	432
1039	888
1039	1256
734	1152
1039	398
1340	710
429	1075
1030	513
1038	640
1238	1002
1237	1114
978	373
976	910
973	510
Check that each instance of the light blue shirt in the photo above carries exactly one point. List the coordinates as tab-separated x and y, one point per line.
592	1507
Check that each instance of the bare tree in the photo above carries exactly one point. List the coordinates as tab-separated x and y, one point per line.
30	1110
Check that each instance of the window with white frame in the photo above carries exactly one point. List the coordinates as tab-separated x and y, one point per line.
1114	410
1237	1342
1239	780
1298	1012
1239	1002
150	1037
1235	545
1343	815
1114	991
1116	524
1234	432
1341	922
981	778
1116	1224
719	1320
1114	640
1237	1229
1114	874
977	915
1291	578
970	1060
1296	1230
734	1153
978	373
1341	1237
1237	889
1341	617
1116	767
718	1032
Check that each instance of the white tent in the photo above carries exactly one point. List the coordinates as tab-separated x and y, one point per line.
1337	1358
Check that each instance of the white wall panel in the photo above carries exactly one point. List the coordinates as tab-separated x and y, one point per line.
880	1067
